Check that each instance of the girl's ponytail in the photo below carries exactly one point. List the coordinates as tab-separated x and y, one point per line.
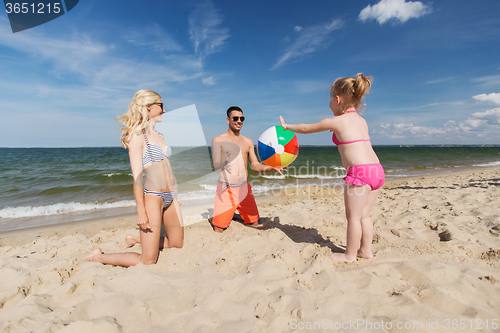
352	90
362	85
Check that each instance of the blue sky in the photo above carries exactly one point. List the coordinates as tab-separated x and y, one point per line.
435	66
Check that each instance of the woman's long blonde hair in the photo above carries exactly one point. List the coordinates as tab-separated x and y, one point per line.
352	90
136	117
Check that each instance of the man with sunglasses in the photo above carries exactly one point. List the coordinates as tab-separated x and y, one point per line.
231	153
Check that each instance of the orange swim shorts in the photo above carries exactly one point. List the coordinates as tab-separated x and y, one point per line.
230	198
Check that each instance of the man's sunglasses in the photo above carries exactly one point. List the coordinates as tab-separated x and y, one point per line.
235	118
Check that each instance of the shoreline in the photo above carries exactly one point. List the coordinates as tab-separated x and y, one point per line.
198	213
88	216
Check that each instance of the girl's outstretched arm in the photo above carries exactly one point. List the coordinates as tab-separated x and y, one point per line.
327	124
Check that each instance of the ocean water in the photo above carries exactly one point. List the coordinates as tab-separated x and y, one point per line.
41	186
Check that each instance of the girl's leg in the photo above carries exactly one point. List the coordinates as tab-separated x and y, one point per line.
149	238
365	249
174	226
355	198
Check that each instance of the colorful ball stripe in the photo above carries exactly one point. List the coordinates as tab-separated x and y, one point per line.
277	147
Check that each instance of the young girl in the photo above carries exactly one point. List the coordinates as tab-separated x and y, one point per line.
364	171
156	200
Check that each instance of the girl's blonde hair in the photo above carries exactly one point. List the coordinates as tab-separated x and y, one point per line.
136	117
352	90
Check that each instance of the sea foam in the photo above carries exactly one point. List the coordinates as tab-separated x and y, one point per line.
490	164
60	208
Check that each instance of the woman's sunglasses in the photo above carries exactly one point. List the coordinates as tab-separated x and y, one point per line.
160	104
235	118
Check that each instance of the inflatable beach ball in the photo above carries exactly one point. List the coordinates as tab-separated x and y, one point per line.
277	147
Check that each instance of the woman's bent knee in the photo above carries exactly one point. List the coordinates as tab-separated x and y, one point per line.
147	260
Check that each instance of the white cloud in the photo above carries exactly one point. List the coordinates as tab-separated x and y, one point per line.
442	80
209	81
298	28
153	37
204	27
303	87
310	40
478	125
81	81
123	73
401	130
66	52
483	124
490	117
311	86
398	10
98	64
493	98
490	80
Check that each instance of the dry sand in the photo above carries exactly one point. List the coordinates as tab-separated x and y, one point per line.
436	266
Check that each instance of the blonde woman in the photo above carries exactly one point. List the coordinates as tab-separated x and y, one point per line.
156	199
365	174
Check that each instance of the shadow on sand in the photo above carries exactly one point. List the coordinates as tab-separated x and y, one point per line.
295	233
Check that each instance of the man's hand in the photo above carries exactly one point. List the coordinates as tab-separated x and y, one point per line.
279	169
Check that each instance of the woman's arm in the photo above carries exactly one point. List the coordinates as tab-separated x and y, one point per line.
135	155
327	124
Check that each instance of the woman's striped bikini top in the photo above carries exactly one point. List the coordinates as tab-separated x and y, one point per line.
154	152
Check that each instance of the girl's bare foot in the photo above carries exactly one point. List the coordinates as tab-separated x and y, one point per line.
365	255
93	256
341	257
131	241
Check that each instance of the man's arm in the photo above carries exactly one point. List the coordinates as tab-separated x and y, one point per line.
254	162
218	164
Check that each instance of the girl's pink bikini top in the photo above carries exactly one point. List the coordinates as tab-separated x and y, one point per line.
337	142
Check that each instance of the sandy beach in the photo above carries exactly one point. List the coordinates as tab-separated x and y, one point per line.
436	268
